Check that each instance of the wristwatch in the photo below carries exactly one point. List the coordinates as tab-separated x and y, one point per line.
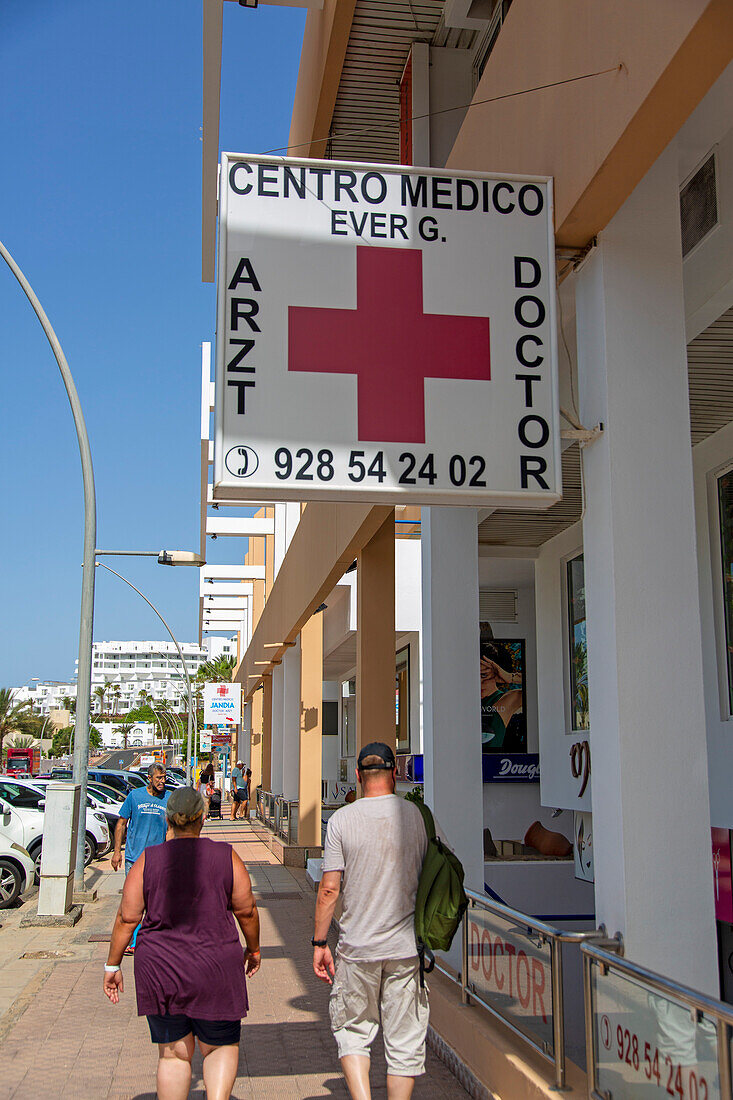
319	943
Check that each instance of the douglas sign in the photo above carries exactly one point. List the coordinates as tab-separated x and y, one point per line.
385	334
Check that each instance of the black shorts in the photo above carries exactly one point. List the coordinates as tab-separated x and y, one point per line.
215	1033
236	795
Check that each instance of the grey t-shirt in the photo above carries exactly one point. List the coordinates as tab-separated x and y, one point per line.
379	844
238	778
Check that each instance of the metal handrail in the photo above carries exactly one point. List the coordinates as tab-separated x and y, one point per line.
556	937
286	815
275	812
594	954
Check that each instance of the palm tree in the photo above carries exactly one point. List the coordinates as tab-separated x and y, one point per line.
104	691
125	731
117	693
22	741
220	670
99	693
69	703
14	717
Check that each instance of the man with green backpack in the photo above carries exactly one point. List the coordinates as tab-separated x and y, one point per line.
398	880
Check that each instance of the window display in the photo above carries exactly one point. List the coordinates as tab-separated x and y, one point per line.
578	655
402	699
503	711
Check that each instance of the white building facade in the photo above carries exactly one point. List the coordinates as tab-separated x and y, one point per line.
134	672
616	603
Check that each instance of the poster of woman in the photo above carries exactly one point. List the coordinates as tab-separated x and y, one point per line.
503	716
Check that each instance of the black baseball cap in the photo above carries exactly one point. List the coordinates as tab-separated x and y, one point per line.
384	752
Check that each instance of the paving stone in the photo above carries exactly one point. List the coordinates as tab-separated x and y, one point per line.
69	1042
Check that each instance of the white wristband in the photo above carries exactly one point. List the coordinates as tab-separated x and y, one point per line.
111	969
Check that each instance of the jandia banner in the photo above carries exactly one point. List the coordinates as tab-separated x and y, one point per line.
222	704
385	334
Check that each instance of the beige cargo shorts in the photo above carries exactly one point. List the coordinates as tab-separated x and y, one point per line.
364	992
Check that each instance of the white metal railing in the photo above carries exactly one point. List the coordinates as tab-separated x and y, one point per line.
648	1035
511	965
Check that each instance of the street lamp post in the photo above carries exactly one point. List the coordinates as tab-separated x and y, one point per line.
173	638
84	678
86	622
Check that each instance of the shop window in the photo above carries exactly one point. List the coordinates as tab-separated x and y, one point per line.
402	699
330	719
578	646
725	507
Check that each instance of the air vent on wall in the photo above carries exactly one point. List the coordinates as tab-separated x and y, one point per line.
699	205
497	605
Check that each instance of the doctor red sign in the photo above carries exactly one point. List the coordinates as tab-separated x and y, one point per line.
386	334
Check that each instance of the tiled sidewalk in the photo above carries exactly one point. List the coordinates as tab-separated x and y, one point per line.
60	1037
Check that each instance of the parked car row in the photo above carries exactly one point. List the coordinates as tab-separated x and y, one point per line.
22	803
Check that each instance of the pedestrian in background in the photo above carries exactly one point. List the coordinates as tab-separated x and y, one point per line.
142	823
377	846
206	782
245	793
189	965
236	789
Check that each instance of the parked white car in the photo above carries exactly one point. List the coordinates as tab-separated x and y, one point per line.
17	871
21	819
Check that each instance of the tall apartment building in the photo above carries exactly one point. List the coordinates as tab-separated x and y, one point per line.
132	668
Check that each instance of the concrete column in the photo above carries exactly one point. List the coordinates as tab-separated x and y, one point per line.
244	737
649	783
421	103
267	732
269	541
451	682
291	722
280	537
292	519
276	756
375	639
255	755
311	730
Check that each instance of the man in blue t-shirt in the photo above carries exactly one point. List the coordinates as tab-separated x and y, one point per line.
142	817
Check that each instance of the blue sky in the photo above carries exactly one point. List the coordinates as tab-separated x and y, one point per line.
100	193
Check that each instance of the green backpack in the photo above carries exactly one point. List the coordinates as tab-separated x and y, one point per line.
441	900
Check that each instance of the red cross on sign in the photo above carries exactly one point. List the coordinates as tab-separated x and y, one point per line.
389	343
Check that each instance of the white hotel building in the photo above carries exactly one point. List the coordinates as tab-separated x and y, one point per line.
130	668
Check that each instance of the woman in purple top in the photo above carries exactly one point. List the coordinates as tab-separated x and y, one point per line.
189	964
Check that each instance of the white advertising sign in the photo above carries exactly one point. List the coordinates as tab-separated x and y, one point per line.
222	704
385	334
205	742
